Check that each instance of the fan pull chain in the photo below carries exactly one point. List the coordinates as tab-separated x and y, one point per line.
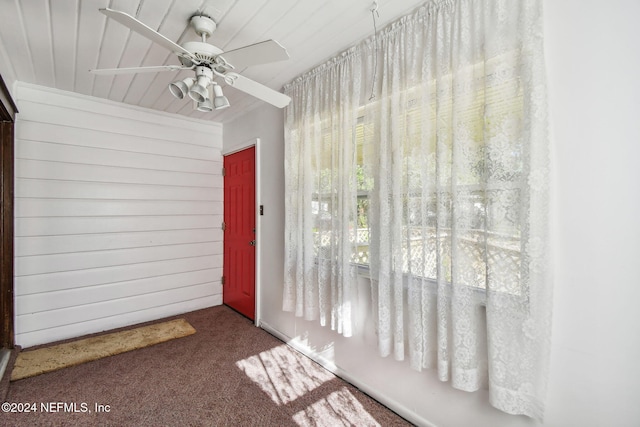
374	13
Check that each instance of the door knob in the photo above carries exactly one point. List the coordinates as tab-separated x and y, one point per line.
252	243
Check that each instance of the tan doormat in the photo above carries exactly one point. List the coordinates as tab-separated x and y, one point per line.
36	362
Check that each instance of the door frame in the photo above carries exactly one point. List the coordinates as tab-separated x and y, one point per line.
254	142
8	111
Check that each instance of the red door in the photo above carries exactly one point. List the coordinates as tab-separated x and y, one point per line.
238	290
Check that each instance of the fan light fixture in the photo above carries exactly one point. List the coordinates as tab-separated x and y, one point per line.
181	88
219	100
198	89
205	106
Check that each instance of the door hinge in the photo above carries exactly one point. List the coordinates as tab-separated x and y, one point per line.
224	172
222	280
224	226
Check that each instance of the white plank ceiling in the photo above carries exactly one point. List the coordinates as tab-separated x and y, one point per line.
55	42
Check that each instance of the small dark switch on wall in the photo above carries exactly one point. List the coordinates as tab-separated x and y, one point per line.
261	209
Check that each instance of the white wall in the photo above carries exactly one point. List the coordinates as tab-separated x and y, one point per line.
117	215
593	67
267	123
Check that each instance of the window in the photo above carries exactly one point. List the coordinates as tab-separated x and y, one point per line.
440	185
492	234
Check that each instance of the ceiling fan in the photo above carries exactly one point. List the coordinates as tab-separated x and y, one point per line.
208	62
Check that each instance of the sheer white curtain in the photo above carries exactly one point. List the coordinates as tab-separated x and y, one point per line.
321	192
439	185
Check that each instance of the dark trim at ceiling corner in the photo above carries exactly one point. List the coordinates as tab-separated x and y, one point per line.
8	109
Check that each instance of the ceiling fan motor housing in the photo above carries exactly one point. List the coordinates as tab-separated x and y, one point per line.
204	52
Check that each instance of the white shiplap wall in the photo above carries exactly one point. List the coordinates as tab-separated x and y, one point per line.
117	215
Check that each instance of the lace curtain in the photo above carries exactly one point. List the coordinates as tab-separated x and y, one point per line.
439	184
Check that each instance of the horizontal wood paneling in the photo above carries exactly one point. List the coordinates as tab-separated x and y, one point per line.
112	307
41	302
181	128
39	188
117	215
35	337
51	282
53	152
48	226
26	208
48	245
75	117
82	260
43	169
47	132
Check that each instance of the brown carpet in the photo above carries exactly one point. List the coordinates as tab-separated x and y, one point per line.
52	358
230	373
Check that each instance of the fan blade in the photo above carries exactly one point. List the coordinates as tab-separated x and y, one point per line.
146	31
109	71
258	90
259	53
